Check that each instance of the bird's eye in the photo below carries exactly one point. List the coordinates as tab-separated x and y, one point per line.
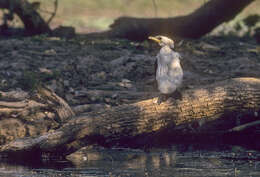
159	37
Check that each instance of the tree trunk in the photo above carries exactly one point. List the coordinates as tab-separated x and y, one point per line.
212	108
194	25
24	114
33	22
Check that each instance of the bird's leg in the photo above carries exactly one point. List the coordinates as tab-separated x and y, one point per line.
177	95
164	97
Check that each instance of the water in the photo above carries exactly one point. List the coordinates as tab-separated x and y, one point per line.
177	161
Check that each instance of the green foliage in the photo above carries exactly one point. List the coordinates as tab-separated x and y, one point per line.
30	80
40	37
252	20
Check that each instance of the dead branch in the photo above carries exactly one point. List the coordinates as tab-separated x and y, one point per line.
33	22
24	114
194	25
54	12
245	126
208	108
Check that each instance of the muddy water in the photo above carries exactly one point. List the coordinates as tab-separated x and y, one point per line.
177	161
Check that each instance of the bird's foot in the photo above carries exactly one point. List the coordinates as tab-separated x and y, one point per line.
164	97
161	98
156	100
177	95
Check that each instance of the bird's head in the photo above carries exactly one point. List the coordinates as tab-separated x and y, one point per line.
163	41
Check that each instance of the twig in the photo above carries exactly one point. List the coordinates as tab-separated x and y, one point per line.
54	13
244	126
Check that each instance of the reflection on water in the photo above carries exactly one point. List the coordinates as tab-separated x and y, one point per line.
177	161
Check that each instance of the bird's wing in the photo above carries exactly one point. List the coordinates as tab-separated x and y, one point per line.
177	55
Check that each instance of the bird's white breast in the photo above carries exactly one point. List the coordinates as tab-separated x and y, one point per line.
169	73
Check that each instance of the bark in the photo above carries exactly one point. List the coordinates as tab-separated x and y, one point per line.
212	108
23	114
194	25
33	22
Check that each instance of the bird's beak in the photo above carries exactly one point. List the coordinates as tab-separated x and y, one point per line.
154	39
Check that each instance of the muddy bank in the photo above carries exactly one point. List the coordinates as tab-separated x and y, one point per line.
86	71
94	74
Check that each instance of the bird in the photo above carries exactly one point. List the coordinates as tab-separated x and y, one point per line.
168	70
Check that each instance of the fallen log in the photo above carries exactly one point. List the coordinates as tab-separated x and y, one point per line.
112	97
23	114
193	25
211	108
